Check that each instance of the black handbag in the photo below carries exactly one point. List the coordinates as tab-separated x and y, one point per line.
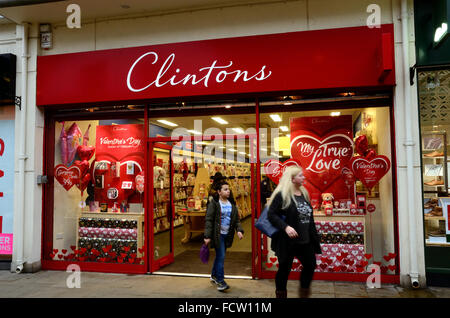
263	224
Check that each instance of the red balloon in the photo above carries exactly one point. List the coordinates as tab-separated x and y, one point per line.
85	152
361	145
369	172
370	154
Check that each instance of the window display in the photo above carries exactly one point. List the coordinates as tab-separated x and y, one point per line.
98	194
345	157
433	98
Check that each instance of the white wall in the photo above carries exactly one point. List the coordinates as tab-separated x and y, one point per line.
230	22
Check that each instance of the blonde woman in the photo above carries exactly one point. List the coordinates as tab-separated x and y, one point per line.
291	212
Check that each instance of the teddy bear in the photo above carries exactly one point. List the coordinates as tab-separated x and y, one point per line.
327	200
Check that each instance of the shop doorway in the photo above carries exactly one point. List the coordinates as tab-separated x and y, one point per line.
182	175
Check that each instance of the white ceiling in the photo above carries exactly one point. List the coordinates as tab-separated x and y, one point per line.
55	12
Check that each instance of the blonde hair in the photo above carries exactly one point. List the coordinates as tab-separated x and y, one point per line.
286	187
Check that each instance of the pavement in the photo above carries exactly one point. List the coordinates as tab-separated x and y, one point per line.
54	284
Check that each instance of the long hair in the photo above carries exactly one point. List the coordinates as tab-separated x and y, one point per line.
286	187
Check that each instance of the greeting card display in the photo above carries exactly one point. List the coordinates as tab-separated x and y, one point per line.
323	146
119	160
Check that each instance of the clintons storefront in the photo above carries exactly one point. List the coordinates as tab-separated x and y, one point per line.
134	137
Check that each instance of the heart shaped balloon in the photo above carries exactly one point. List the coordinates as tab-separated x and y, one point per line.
369	172
83	165
370	154
361	145
274	169
85	152
66	176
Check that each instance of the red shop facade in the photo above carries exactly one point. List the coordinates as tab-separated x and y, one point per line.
124	177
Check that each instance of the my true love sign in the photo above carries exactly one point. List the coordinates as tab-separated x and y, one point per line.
323	146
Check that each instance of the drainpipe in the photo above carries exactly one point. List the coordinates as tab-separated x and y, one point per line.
20	261
409	144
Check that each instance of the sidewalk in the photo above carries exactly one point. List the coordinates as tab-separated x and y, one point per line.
52	284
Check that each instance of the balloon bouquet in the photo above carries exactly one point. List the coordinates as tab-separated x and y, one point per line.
73	143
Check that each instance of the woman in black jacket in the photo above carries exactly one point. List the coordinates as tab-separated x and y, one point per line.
291	212
221	222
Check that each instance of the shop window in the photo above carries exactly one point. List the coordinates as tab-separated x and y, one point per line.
434	100
345	155
98	209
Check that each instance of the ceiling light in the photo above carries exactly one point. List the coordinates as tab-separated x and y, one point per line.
232	150
238	130
166	122
335	114
287	100
228	106
195	132
220	120
275	117
284	128
242	153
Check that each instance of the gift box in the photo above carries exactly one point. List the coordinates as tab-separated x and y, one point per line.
340	258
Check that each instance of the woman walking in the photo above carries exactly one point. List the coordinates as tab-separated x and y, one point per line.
221	222
291	212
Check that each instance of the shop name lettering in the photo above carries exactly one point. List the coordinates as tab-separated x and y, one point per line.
133	142
205	74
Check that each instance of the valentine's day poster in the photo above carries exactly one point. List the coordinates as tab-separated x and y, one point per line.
324	146
119	159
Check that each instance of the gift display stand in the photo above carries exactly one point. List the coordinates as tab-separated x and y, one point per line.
111	236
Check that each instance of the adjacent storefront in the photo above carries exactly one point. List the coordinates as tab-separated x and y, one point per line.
7	127
433	81
134	137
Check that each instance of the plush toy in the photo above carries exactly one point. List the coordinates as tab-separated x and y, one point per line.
327	200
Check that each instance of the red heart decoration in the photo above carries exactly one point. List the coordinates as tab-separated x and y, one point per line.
133	255
67	177
52	256
126	248
112	254
359	268
83	165
323	265
361	145
370	154
370	172
60	256
64	251
339	258
83	250
141	250
364	263
82	259
392	268
343	268
368	256
123	255
131	260
273	259
322	158
386	258
274	169
85	152
73	247
392	255
120	259
95	252
55	251
269	265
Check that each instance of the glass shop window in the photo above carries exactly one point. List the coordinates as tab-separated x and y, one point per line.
99	192
345	155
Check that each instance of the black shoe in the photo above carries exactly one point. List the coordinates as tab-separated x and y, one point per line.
222	286
214	280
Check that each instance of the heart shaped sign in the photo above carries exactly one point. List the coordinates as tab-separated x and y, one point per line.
67	177
322	158
274	169
370	172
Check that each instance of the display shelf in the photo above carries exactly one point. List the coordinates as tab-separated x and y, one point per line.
109	230
432	165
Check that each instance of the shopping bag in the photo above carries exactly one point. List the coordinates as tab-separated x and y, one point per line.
204	253
263	224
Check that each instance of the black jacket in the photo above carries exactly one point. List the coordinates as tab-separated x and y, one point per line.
281	241
212	224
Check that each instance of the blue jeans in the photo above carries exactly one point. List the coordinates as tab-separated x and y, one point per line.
218	268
